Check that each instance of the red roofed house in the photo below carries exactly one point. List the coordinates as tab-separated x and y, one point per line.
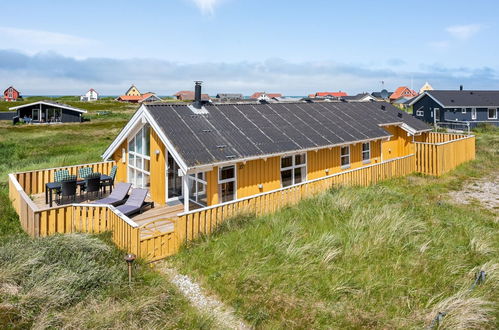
265	96
189	96
330	94
11	94
403	92
133	95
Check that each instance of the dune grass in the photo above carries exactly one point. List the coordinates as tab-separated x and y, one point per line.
79	281
386	256
74	281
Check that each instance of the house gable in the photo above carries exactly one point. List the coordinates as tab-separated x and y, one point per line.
133	91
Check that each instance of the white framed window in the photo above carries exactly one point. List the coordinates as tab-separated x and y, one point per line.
473	113
345	157
463	110
420	113
492	113
366	152
293	169
197	188
227	183
139	160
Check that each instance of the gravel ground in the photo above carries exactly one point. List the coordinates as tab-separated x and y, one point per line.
485	191
223	315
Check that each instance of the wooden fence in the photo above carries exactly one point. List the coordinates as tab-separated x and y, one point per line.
33	182
190	225
439	153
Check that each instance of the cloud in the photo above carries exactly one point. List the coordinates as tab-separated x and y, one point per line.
44	37
207	7
464	32
49	73
444	44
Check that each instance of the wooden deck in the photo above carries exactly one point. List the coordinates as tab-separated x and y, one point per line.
152	220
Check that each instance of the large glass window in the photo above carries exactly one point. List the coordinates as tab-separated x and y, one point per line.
293	169
139	160
345	157
473	113
197	188
366	152
227	183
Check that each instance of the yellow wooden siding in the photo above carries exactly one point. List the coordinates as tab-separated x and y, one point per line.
399	145
121	174
158	169
212	186
256	172
133	92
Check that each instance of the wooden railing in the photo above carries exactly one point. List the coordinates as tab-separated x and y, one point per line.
71	218
190	225
439	153
33	182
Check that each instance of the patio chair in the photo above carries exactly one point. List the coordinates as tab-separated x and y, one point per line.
135	202
61	175
68	190
117	196
92	184
84	172
110	183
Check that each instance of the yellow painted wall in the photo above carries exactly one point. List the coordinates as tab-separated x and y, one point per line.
255	172
212	186
121	174
158	169
329	159
133	91
399	145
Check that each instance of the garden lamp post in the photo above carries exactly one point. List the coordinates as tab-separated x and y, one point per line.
129	258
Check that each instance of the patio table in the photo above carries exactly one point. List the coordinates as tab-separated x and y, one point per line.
51	186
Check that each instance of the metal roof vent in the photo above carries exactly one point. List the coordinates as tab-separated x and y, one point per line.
399	115
383	107
221	146
231	156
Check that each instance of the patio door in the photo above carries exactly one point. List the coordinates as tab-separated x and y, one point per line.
174	181
139	159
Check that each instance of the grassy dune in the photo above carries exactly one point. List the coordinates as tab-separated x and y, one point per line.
386	256
74	281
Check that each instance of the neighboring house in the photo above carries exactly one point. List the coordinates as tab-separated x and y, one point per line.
224	97
384	95
426	87
211	154
133	95
403	92
264	96
362	97
469	107
328	95
189	96
11	94
90	96
133	91
49	112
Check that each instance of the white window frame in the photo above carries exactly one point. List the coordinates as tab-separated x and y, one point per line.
194	177
137	155
435	111
420	113
488	113
220	182
345	156
463	110
293	167
368	151
473	113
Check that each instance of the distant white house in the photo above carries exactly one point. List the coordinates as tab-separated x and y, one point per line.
91	95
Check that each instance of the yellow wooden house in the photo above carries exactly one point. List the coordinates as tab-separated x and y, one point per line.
206	154
133	91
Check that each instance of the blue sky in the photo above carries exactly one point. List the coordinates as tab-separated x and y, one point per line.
293	47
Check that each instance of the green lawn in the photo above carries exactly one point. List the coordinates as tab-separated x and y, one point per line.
386	256
74	281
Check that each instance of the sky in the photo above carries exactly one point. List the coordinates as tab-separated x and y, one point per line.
294	47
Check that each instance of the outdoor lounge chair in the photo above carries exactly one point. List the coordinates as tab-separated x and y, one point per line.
135	202
118	196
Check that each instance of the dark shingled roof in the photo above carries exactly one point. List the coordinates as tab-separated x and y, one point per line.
235	131
466	98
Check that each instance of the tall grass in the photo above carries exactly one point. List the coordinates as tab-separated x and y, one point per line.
386	256
78	281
